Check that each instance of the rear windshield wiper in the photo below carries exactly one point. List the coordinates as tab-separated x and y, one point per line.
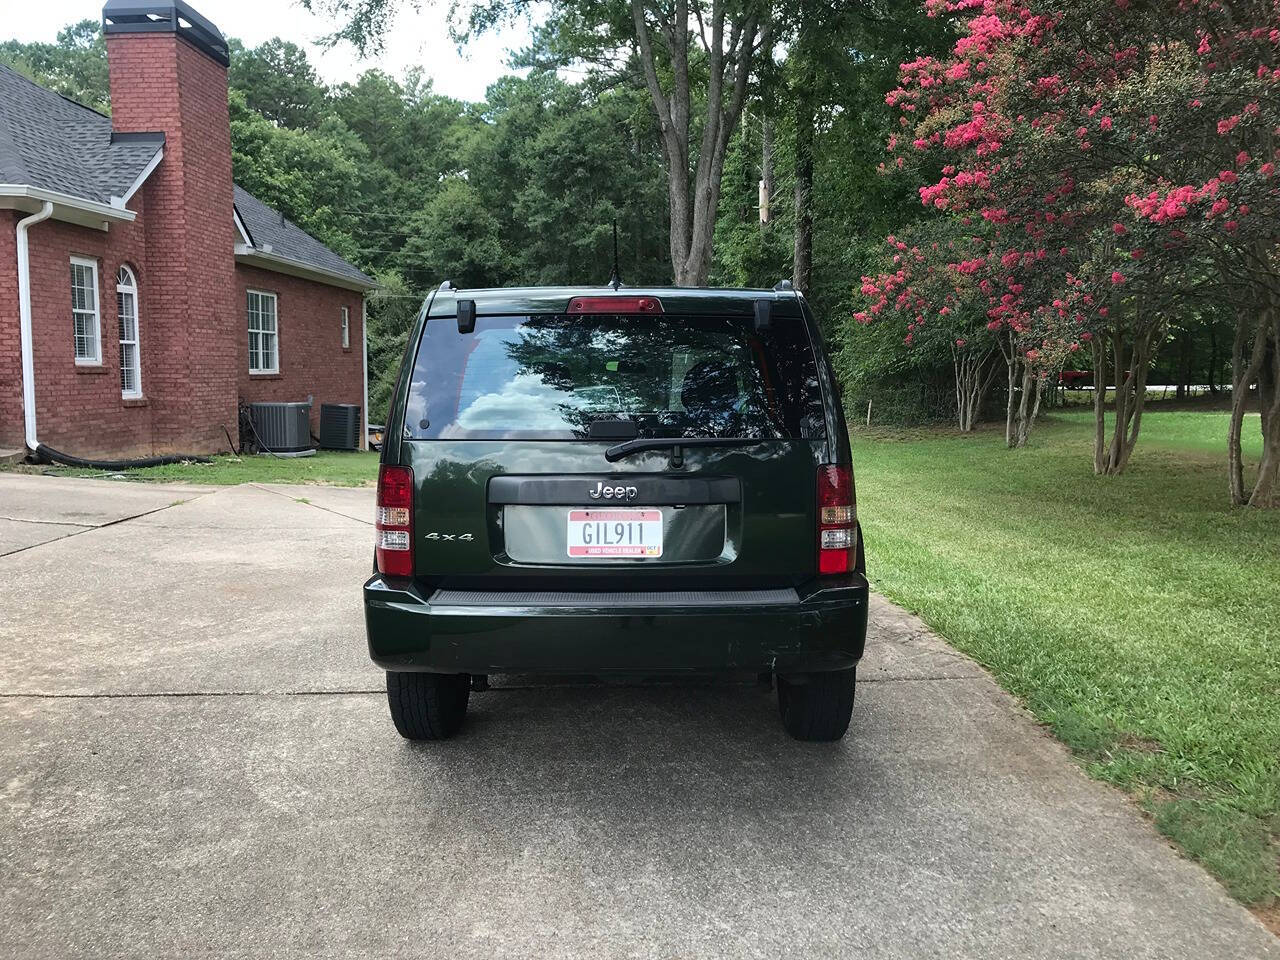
618	452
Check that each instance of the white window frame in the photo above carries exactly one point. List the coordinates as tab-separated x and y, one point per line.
261	331
94	315
346	328
129	289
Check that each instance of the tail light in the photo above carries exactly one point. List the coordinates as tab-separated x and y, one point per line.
837	520
394	544
615	304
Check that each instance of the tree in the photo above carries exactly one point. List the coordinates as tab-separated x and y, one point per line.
694	57
279	82
915	275
1080	133
75	66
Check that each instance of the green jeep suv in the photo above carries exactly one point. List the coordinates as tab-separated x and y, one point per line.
616	481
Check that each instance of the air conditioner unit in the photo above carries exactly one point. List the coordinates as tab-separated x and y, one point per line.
339	426
282	427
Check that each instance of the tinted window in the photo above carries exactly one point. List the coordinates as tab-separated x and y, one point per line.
550	377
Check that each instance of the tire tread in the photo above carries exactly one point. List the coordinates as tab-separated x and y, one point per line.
427	706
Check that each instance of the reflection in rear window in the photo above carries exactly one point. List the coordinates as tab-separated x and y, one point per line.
551	377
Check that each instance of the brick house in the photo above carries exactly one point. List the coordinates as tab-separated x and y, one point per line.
142	293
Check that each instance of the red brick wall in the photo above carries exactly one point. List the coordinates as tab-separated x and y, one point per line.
10	357
159	83
79	409
312	361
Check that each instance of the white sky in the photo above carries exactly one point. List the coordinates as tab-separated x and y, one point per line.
417	39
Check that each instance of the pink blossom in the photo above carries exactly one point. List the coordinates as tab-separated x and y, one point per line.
1242	158
1117	277
1105	123
1231	226
1267	169
1227	125
1228	176
1119	229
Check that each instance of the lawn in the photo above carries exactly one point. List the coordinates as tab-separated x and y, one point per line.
340	469
1137	616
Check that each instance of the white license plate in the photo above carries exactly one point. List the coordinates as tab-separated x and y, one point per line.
615	533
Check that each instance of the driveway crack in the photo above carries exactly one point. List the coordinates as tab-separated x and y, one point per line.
307	503
100	526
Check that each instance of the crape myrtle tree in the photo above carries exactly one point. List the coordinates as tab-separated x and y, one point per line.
923	267
696	59
1122	156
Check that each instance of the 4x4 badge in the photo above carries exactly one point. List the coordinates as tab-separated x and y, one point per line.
601	492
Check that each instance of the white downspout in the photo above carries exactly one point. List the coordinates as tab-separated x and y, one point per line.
364	335
24	324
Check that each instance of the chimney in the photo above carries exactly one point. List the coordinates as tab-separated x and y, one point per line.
168	74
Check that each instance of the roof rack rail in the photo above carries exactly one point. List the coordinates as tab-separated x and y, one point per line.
784	286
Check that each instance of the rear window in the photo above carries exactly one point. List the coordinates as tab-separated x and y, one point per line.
551	377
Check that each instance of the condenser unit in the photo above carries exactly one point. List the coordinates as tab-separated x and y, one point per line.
339	426
282	427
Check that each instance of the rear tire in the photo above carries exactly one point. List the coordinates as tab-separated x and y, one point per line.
818	706
428	706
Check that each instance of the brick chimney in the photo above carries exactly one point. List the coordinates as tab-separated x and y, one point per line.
168	73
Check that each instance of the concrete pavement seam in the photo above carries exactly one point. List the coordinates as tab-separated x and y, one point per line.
103	526
308	503
52	523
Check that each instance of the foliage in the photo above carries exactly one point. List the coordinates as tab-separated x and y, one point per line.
1173	703
1107	158
74	66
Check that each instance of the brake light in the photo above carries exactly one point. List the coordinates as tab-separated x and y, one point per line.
581	305
837	520
394	544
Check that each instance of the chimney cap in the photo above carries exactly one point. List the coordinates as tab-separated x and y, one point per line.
166	16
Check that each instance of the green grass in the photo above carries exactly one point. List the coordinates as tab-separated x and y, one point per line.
1137	616
338	469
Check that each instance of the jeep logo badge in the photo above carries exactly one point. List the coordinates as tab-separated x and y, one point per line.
601	492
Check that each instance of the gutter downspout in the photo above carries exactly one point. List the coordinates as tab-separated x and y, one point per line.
24	324
364	335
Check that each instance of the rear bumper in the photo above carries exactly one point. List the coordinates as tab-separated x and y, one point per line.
452	632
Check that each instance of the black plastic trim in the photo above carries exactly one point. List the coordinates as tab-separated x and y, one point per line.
649	491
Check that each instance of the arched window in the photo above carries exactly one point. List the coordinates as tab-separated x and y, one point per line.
127	308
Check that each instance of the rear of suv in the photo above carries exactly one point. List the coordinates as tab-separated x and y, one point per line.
645	483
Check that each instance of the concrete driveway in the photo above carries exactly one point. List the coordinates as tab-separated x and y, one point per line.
196	760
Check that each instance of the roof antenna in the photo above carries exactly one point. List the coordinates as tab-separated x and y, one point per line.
615	278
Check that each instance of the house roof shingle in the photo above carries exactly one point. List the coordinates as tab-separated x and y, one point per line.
53	143
266	228
56	144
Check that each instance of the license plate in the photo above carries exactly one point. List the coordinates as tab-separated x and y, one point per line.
615	533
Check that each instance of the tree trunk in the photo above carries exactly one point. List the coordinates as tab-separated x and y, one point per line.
1248	353
973	373
806	124
1185	346
694	191
1266	491
1213	359
1131	363
1009	350
766	175
1099	405
1028	406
